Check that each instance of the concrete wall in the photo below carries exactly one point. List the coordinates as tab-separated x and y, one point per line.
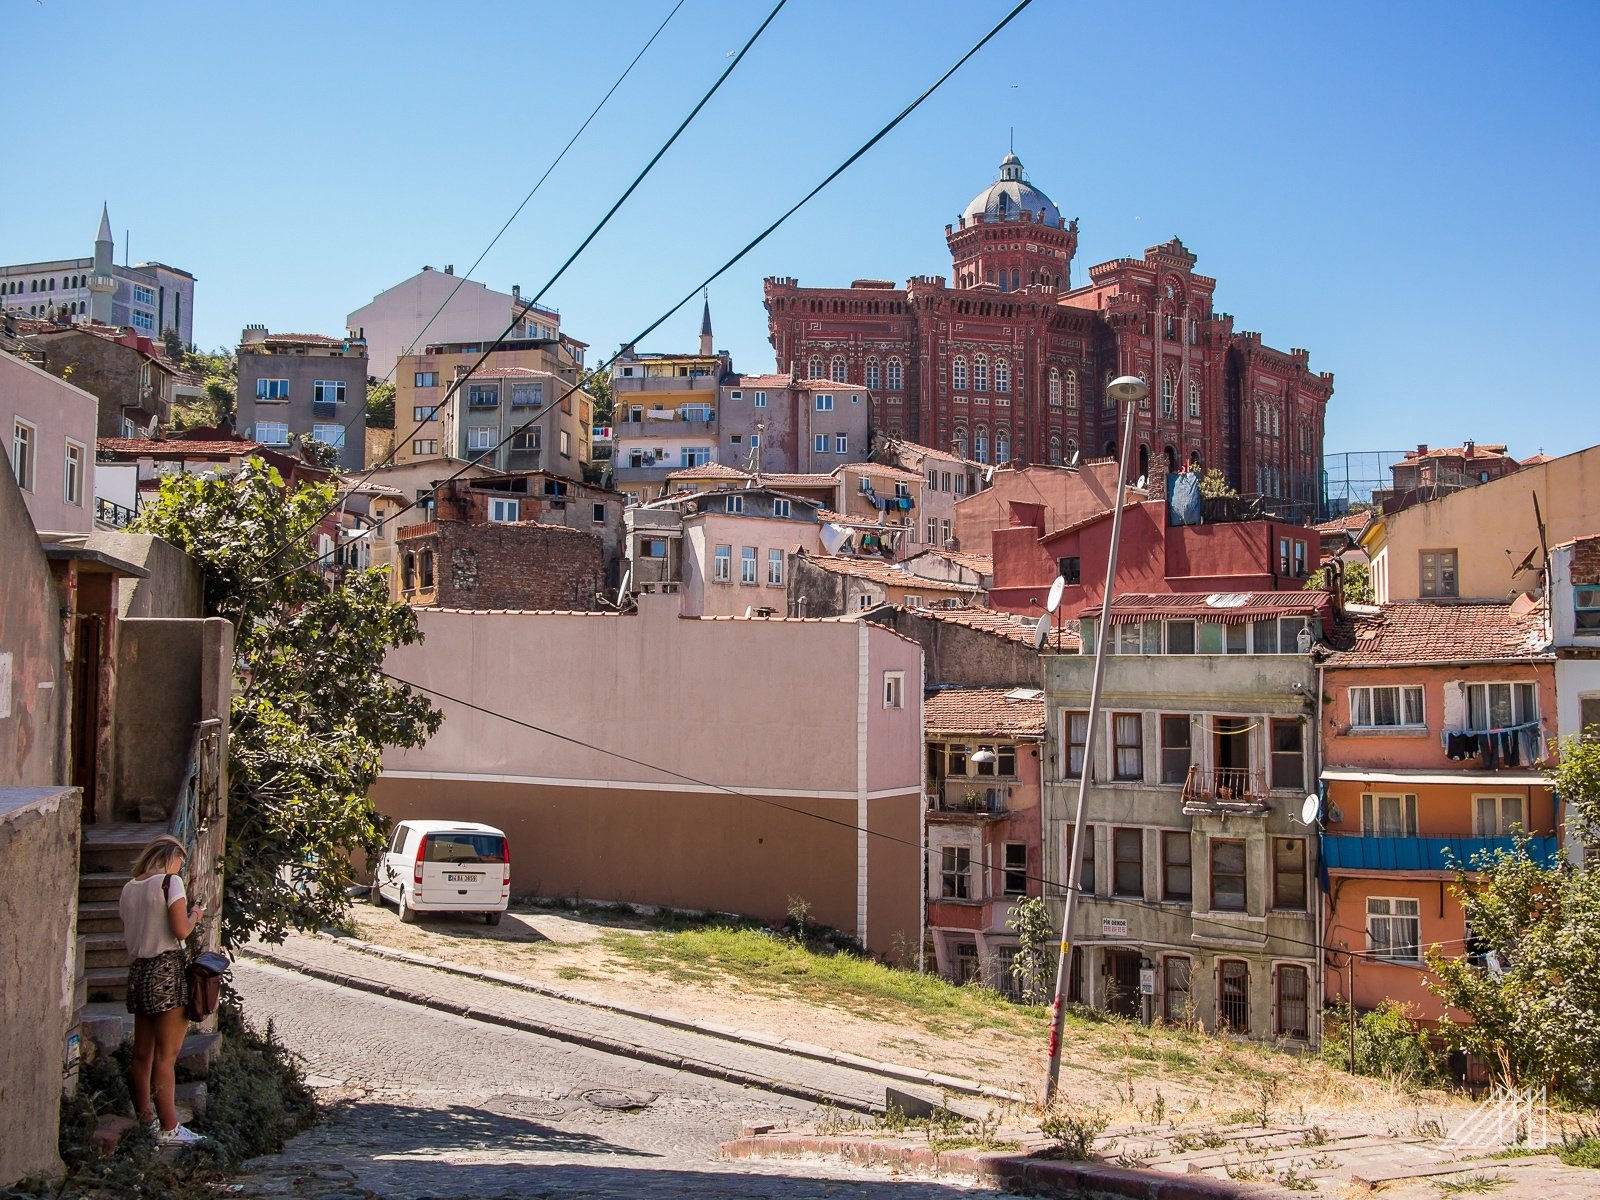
959	656
1066	494
172	589
302	371
114	372
33	679
38	959
396	316
585	822
519	565
703	595
59	414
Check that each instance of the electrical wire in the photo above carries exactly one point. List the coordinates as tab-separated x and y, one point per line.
530	304
1043	880
709	279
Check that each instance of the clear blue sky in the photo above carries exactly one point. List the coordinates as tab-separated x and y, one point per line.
1408	190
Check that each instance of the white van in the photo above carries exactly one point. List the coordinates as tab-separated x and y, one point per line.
445	866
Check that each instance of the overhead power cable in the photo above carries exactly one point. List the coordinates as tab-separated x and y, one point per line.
530	304
709	279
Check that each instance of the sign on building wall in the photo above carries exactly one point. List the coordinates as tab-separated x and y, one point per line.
1113	926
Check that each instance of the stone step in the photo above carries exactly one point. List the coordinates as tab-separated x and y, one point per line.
113	845
106	983
190	1096
99	916
95	887
199	1051
106	950
105	1025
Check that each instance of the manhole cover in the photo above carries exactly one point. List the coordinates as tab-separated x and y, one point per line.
525	1106
618	1099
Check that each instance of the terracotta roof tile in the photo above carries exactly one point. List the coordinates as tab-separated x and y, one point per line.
880	469
917	448
303	339
179	446
1005	624
1352	523
1417	633
983	564
986	712
882	572
1225	608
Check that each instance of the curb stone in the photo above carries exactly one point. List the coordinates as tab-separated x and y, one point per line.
1014	1172
837	1058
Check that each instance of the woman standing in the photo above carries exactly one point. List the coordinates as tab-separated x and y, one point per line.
156	918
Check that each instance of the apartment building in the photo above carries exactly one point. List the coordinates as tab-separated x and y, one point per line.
785	424
665	417
837	585
947	477
125	369
49	428
300	387
1197	901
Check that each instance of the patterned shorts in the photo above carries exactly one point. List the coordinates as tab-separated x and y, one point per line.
159	984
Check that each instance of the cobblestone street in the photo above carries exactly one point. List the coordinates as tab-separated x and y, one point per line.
442	1107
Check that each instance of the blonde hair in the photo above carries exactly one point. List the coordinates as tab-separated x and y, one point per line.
156	853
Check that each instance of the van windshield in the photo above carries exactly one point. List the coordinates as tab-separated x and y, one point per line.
464	848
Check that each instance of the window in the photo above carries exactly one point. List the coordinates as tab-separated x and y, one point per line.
1586	609
483	395
1169	395
1233	995
944	530
480	437
955	873
747	565
733	504
1497	816
980	373
24	447
872	376
895	375
1127	862
775	568
272	389
819	443
526	395
1070	569
780	508
1496	705
425	412
933	531
1379	707
958	373
327	391
836	369
1002	446
1394	928
1288	758
503	511
1289	873
894	689
141	294
423	447
1175	748
1194	399
1002	375
72	474
841	443
1176	1006
142	321
653	548
1177	866
1228	890
1086	880
814	367
690	456
1004	764
1127	731
1293	1011
722	565
272	433
1438	574
425	379
966	966
597	513
528	439
1388	816
1016	869
1180	637
759	400
980	444
1076	729
331	435
824	402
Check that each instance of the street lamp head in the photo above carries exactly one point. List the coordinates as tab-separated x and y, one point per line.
983	756
1126	389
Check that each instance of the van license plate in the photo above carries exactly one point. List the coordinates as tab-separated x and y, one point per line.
462	878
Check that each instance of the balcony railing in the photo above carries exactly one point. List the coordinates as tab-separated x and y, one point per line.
1358	852
1224	788
324	408
113	514
969	795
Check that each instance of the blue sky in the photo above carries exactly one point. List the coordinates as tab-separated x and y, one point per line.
1405	189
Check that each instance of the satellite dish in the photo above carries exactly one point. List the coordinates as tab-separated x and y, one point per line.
1303	640
749	611
622	592
1310	809
1075	456
1041	632
1141	483
1056	588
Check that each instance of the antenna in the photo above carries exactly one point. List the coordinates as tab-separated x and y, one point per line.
1311	810
1041	632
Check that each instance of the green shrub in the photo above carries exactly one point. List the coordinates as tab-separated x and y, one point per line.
1389	1044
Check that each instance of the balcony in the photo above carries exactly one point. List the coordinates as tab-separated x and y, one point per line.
109	512
324	408
967	797
1355	852
1224	790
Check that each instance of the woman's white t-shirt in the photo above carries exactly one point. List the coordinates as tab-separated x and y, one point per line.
145	928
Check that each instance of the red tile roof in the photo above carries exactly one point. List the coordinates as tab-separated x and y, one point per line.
164	447
983	564
880	469
1004	624
1479	450
758	381
986	712
893	444
1417	633
1353	522
882	572
1223	608
302	339
710	471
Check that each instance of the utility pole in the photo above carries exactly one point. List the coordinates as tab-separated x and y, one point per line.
1125	391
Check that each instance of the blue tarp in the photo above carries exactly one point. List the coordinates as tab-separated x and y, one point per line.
1183	498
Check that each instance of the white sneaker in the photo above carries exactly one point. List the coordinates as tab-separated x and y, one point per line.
178	1135
154	1126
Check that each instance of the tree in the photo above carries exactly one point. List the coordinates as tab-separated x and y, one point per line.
1532	989
312	711
1032	966
173	342
598	385
1214	485
1357	586
380	406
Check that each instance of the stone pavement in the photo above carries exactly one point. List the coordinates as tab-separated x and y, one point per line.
435	1107
855	1088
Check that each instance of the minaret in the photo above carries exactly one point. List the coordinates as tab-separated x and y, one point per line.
102	285
705	327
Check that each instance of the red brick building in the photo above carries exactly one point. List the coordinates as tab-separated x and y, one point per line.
1009	362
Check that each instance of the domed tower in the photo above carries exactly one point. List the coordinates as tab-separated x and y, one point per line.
1012	236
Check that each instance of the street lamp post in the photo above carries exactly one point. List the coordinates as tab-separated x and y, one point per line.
1126	392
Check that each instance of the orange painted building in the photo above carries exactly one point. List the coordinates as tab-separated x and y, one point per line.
1436	720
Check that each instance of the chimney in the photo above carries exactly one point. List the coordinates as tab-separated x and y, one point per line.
450	270
1422	448
253	334
1466	450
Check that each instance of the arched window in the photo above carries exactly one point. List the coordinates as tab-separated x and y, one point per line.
1194	399
958	373
1069	390
1055	449
872	374
1002	446
1169	395
1002	375
895	378
1072	452
425	570
959	443
408	572
814	367
1055	388
1144	404
980	444
836	369
980	373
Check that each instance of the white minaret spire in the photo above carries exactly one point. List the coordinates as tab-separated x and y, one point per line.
102	285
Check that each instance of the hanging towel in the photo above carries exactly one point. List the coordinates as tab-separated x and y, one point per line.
1455	706
1511	747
